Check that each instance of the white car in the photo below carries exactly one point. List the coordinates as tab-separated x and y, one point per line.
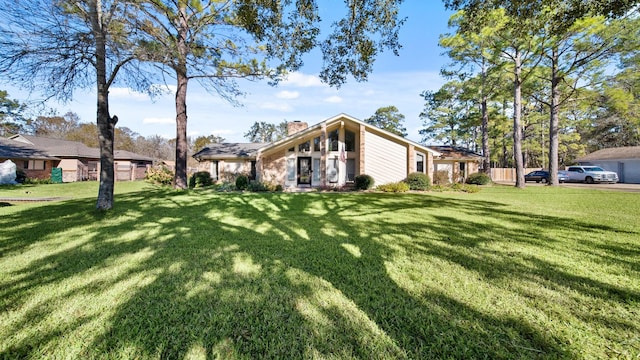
591	174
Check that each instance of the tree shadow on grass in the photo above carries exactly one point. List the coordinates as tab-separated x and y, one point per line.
271	276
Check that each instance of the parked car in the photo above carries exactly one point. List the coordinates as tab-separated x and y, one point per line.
537	176
563	176
544	177
591	174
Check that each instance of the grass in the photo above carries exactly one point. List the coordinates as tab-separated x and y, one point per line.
504	273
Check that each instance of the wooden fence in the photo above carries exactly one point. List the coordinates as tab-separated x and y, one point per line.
507	174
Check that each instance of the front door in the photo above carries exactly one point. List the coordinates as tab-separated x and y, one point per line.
304	170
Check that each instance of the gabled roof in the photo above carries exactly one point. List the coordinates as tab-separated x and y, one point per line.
341	117
59	148
128	155
619	153
448	152
11	149
230	151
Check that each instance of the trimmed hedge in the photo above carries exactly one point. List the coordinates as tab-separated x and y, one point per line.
363	182
478	179
394	187
242	182
418	181
200	179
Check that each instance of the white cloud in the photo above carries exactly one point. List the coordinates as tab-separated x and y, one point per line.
333	99
159	121
127	93
288	94
222	132
163	89
278	107
302	80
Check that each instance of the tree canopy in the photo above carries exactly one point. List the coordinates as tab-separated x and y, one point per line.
388	118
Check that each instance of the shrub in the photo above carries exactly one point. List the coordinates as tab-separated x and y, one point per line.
418	181
441	177
200	179
242	182
479	179
465	188
363	182
159	175
259	186
394	187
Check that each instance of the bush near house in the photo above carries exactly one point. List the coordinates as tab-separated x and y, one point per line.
200	179
159	175
418	181
363	182
441	177
242	182
394	187
478	179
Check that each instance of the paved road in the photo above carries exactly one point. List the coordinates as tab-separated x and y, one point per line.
614	187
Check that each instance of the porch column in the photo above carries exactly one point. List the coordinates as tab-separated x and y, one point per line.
323	155
259	167
411	159
361	150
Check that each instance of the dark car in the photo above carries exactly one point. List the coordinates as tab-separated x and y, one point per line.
537	176
543	176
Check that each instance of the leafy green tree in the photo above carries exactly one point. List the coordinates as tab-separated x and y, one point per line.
68	45
449	116
388	118
264	132
11	119
216	42
469	51
202	141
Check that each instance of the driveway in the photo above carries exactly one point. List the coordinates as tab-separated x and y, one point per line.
614	187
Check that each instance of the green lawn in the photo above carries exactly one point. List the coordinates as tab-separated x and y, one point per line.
504	273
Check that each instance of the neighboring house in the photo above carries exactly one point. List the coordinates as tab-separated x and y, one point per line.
623	160
328	154
458	162
80	162
36	163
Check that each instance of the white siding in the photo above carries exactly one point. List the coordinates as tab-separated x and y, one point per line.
386	161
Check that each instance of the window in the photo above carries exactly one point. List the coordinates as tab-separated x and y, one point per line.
316	144
349	140
315	175
420	163
291	149
351	170
304	147
332	170
462	166
333	140
291	169
34	165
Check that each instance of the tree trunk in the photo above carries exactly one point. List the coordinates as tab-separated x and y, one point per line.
180	179
486	152
105	124
554	119
517	128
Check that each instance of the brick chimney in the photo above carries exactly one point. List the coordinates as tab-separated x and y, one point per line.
296	126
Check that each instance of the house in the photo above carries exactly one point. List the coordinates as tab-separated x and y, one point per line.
623	160
328	154
77	161
36	163
457	162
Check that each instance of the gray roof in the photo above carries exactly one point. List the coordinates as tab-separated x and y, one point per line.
619	153
448	152
11	149
61	148
128	155
229	151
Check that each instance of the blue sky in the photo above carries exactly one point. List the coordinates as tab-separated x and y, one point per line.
396	80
